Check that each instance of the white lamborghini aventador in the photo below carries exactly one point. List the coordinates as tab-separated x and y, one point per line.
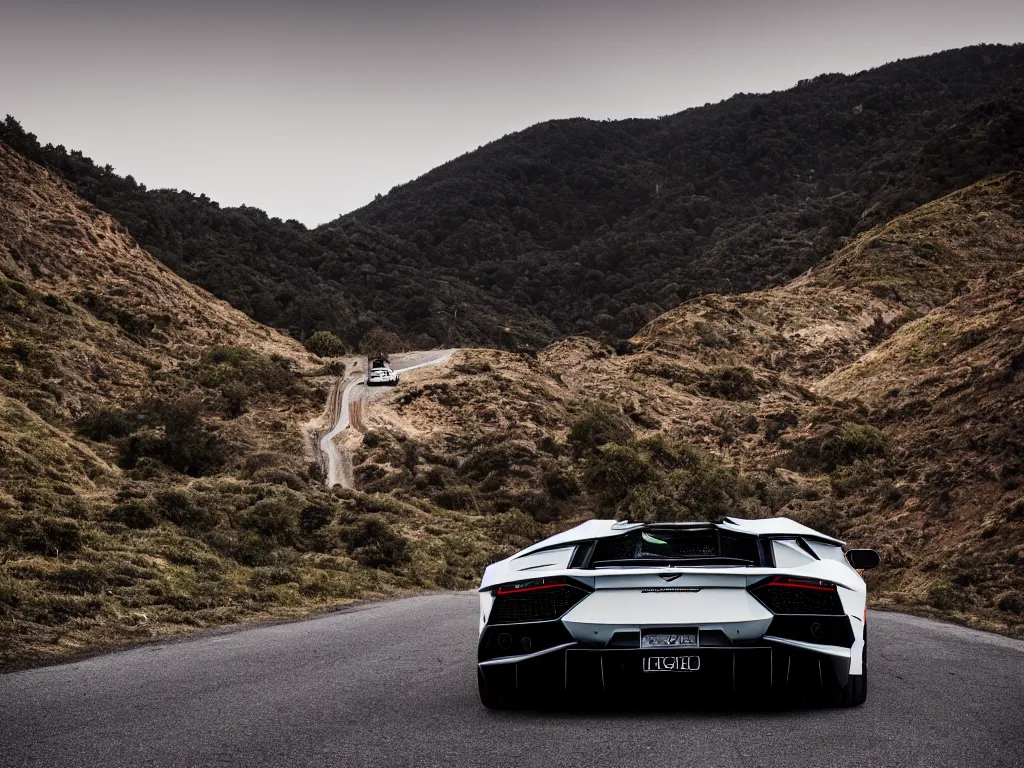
684	610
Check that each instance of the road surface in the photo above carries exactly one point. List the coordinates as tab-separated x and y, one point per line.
338	466
393	684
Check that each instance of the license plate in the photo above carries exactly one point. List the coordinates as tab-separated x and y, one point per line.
671	663
669	639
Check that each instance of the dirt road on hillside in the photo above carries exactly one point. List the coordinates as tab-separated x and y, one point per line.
352	400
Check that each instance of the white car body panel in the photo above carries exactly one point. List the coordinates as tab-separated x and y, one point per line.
710	598
381	375
732	610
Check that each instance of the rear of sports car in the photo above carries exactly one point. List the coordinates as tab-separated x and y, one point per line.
684	612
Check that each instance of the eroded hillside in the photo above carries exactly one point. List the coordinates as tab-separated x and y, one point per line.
154	472
878	397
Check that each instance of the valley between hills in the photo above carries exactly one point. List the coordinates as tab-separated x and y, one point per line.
159	471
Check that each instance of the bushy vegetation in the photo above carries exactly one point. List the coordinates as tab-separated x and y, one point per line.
842	445
598	424
654	479
593	226
160	556
729	384
106	423
376	544
326	344
238	374
177	437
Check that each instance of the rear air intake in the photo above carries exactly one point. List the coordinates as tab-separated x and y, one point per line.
535	600
790	596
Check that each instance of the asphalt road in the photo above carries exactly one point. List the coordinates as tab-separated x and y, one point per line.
393	684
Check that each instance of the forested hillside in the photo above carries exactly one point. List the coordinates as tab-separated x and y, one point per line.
600	226
596	227
878	398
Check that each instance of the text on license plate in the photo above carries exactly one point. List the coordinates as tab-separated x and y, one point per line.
669	639
671	663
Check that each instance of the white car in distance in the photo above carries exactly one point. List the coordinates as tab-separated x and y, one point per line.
380	374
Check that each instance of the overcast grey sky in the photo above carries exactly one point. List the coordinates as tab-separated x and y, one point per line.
307	109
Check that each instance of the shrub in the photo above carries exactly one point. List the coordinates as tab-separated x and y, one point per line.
12	595
839	446
186	445
1011	603
776	423
273	518
276	476
560	485
326	344
43	535
53	610
536	504
729	384
515	529
709	335
82	579
105	424
499	458
852	479
706	491
255	371
314	517
457	497
234	395
948	597
333	368
135	513
373	542
182	509
598	425
613	469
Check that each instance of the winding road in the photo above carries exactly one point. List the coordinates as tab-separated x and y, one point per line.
393	684
337	466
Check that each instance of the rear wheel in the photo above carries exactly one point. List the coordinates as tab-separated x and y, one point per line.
855	692
859	683
489	697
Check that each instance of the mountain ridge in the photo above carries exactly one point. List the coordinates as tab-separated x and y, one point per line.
596	227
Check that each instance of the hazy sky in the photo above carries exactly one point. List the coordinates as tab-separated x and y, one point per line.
307	109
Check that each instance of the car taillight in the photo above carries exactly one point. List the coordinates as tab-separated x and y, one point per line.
535	600
788	595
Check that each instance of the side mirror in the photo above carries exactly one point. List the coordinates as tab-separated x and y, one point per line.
863	559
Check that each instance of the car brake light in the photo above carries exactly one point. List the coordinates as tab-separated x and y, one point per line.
529	586
535	600
787	581
788	595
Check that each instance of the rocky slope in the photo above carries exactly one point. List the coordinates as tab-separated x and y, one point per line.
879	397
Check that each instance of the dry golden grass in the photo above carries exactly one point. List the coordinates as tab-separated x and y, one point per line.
103	543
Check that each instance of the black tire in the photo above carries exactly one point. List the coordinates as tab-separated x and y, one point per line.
859	683
489	697
855	692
